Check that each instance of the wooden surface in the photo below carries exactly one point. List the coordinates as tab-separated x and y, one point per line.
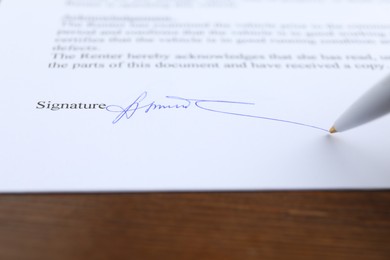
265	225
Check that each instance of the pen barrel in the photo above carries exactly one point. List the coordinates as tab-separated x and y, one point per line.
372	105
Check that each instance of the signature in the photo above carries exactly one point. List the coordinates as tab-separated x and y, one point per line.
180	103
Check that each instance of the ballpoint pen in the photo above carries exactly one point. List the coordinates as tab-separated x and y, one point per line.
372	105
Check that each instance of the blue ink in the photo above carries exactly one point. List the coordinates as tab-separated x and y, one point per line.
185	103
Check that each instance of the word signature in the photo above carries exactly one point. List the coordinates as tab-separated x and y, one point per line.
140	104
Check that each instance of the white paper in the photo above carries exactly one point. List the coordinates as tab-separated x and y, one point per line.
298	61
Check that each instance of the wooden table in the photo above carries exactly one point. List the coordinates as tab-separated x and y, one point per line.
254	225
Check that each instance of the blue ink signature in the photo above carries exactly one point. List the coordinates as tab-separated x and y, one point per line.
185	103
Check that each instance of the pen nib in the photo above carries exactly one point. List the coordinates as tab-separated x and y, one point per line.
332	130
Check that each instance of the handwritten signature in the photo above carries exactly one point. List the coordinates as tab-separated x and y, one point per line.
140	104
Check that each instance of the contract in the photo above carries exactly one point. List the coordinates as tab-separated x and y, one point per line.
197	95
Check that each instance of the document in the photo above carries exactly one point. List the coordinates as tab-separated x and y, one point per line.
190	95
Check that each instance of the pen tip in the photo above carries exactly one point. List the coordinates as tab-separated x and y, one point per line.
332	130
